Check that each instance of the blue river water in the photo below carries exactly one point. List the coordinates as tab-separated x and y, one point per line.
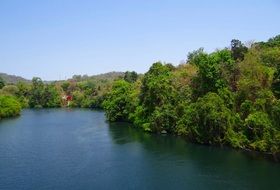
75	149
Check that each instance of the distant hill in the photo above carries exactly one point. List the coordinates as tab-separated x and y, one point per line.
110	76
13	79
105	76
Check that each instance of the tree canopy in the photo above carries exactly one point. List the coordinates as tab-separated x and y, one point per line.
227	97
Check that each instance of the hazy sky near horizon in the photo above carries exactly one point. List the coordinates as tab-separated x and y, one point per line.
54	39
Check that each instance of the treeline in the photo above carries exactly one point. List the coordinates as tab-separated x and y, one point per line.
228	97
85	92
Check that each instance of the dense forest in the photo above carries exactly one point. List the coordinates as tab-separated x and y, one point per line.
228	97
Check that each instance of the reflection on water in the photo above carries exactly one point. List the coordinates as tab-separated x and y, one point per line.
232	167
78	149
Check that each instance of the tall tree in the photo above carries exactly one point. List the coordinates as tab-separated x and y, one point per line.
2	82
238	49
36	94
130	76
214	71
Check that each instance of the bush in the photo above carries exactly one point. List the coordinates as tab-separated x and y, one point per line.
259	130
208	120
163	118
9	107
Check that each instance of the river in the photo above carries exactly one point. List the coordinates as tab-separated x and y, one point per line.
68	149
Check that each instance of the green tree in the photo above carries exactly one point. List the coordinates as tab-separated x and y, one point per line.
23	93
78	98
130	76
157	99
259	131
65	85
51	97
211	71
271	57
163	118
254	76
238	50
209	121
275	41
36	94
2	82
156	89
275	114
117	102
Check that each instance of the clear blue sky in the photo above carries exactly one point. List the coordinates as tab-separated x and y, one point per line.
54	39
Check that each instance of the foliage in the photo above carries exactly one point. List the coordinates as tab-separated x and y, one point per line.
211	70
11	90
9	106
157	98
117	101
130	76
51	97
254	76
2	82
208	120
275	114
259	131
156	89
227	97
271	57
36	94
238	49
23	94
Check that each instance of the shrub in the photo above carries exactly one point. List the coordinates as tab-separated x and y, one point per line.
9	106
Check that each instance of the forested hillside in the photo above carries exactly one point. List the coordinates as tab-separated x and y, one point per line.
12	79
227	97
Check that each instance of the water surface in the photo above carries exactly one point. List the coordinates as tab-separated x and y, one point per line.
77	149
